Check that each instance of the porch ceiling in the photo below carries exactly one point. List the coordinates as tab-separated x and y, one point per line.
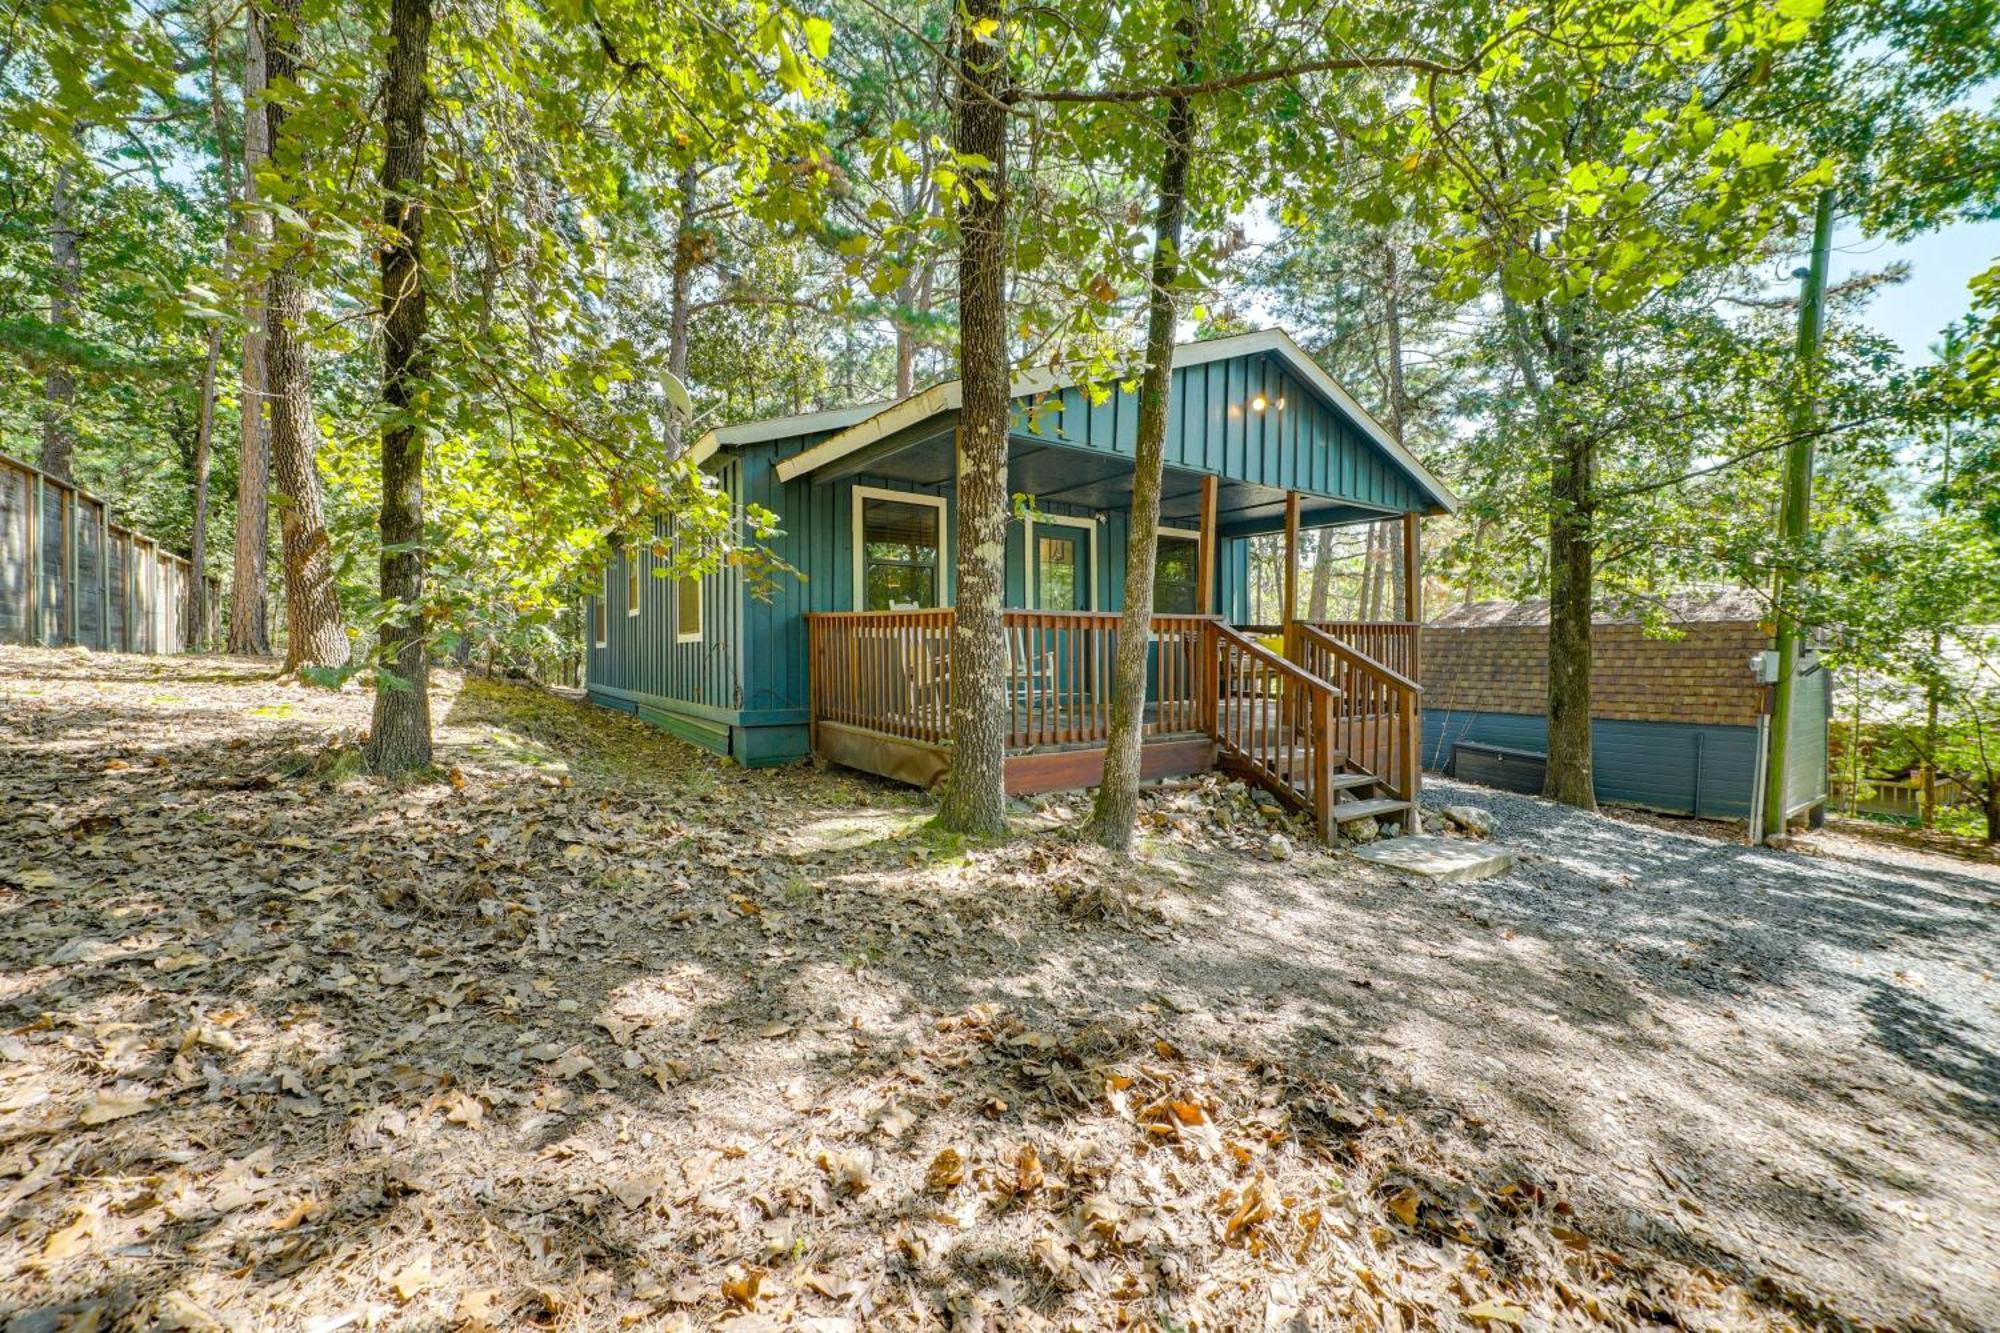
1055	474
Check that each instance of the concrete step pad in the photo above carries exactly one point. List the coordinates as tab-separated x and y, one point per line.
1446	860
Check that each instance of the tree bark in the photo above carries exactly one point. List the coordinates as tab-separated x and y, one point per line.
1117	808
1572	551
399	738
59	386
680	284
1392	327
1322	580
975	795
315	634
197	623
249	613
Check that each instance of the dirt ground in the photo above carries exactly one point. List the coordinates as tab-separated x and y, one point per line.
595	1031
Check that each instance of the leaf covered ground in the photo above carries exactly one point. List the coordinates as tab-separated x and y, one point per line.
593	1030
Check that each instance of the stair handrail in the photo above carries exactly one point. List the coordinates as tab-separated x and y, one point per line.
1361	730
1304	711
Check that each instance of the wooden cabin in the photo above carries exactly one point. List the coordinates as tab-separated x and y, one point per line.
851	661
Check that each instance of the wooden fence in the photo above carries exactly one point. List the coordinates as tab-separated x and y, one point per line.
70	576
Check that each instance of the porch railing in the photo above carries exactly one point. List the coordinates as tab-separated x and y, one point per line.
885	670
1377	718
1393	643
890	671
1283	722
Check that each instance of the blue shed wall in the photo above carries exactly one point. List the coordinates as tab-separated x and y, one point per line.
1676	767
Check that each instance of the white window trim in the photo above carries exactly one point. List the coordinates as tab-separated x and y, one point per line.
700	609
635	586
1185	534
1028	551
600	625
865	493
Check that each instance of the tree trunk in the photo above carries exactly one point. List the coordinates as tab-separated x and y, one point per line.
399	738
314	632
1322	580
1992	816
197	605
680	283
1392	327
59	386
249	614
975	795
1117	807
1572	548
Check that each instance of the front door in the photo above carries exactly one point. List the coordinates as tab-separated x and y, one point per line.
1059	577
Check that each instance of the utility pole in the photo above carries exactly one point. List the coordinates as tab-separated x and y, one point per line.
1795	513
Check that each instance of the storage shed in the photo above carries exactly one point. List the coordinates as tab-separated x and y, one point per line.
1675	717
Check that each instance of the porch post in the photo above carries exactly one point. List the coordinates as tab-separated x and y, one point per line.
1413	612
1291	602
1205	555
1413	582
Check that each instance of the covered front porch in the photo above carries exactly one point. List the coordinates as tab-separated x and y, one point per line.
1326	715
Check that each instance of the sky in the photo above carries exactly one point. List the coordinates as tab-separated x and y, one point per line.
1915	312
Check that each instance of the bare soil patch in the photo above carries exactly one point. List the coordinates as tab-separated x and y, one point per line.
594	1030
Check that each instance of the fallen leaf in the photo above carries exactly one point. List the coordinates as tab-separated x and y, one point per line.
413	1279
77	1235
741	1289
1027	1170
849	1172
1403	1203
294	1215
947	1170
106	1107
475	1307
1498	1312
1254	1208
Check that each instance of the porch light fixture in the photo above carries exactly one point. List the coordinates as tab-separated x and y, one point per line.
1259	403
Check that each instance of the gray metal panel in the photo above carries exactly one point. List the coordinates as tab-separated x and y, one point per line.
1805	756
1675	767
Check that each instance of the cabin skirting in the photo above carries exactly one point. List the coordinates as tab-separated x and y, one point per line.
754	739
1028	773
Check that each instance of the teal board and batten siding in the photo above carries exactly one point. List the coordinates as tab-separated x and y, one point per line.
692	689
1305	445
1673	767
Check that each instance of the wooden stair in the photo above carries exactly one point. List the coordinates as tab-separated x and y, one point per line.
1294	728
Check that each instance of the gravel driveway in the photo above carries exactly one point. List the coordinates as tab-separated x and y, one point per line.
1798	1054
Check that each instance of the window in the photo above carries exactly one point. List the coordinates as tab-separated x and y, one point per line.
1177	573
633	560
687	610
600	610
898	550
